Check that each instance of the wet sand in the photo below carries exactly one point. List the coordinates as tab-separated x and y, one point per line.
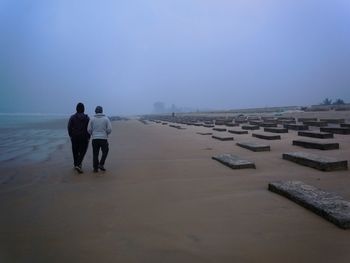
163	199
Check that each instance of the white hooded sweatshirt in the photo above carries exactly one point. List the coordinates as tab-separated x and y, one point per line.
99	126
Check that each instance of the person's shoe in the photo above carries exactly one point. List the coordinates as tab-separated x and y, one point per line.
78	169
102	168
95	170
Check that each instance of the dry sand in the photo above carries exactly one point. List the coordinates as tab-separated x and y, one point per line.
164	200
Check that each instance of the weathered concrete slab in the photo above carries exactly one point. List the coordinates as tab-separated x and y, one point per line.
256	122
345	125
306	119
177	127
316	123
238	131
330	206
333	120
268	124
253	118
267	136
222	138
316	145
255	147
269	119
297	127
241	121
286	121
336	130
209	122
220	129
234	161
276	130
197	124
250	127
315	161
204	133
219	122
315	134
231	124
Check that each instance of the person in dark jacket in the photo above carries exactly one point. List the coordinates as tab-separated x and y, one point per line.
77	130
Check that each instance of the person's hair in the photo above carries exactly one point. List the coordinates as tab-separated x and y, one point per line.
98	109
80	107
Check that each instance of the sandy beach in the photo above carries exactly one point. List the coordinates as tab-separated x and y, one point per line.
163	199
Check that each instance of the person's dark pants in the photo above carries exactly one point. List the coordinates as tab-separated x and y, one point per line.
98	144
79	148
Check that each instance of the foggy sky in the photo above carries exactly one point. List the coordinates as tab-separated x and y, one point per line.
127	54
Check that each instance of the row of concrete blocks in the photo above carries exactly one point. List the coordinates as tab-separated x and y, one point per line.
257	135
273	129
321	163
262	147
297	127
241	119
257	147
328	205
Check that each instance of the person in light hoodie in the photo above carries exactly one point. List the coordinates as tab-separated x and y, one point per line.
99	128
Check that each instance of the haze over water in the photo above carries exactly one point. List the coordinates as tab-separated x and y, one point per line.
126	55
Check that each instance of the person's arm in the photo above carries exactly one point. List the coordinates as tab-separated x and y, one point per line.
89	128
88	121
109	126
69	127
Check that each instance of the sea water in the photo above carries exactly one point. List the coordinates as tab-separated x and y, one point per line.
30	138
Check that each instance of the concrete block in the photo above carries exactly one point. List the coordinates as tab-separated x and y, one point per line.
330	206
220	129
333	120
306	119
336	130
256	122
315	134
238	131
266	136
204	133
268	124
231	124
297	127
315	161
177	127
276	130
222	138
250	127
255	147
316	145
234	161
315	123
219	122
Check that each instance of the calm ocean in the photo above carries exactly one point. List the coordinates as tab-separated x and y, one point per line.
30	138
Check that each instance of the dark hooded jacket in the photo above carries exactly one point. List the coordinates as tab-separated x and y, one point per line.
77	126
